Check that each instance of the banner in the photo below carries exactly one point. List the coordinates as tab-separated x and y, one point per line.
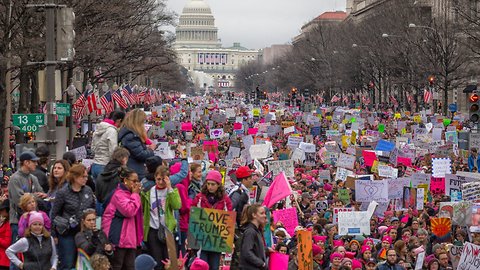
470	257
211	229
304	247
288	217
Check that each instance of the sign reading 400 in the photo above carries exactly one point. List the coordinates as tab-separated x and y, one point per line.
29	122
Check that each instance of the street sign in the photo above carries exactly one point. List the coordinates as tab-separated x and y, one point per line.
63	109
452	107
28	122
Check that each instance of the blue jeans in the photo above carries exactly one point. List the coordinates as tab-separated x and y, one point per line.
96	170
67	252
14	228
212	258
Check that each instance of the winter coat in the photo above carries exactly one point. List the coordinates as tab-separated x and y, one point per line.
41	174
173	203
252	254
5	241
139	151
122	220
91	241
19	184
104	141
180	169
70	203
239	198
201	201
107	181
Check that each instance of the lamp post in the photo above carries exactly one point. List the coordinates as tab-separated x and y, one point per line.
71	91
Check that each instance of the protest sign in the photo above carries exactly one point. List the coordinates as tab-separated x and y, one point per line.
419	262
233	152
163	150
469	259
437	185
289	130
367	191
80	152
344	196
338	210
307	147
247	141
288	217
471	191
454	253
286	124
462	213
346	161
342	174
453	182
278	261
387	171
216	133
409	198
259	151
285	166
211	229
197	153
441	228
420	198
294	141
353	223
369	157
440	167
298	155
383	145
395	187
304	249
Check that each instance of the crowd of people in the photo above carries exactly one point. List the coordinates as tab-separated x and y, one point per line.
129	206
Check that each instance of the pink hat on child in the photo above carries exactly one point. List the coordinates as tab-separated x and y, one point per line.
35	217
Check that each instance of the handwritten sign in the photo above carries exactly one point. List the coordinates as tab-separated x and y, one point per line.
304	247
469	258
367	191
346	161
211	229
80	152
288	217
395	187
387	171
437	185
259	151
353	223
338	210
454	253
342	174
285	166
294	141
441	166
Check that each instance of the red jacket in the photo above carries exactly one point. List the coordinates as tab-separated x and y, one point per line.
5	241
223	204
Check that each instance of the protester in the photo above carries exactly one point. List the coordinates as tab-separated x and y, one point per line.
158	205
196	180
91	239
37	246
41	172
28	204
212	196
104	141
108	179
70	202
253	253
122	220
5	234
133	137
57	179
240	194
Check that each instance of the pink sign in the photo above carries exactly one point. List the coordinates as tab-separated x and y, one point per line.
405	161
252	131
288	217
278	261
369	157
437	185
187	126
237	126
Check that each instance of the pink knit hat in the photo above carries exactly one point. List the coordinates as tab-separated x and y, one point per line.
365	248
316	250
387	238
215	176
199	264
356	264
336	255
35	217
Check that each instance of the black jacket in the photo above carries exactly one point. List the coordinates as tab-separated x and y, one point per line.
91	241
239	199
41	174
252	254
69	203
139	152
107	181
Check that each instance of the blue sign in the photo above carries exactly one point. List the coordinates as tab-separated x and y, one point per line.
452	107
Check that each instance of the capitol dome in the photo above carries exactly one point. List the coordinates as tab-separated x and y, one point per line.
196	26
197	7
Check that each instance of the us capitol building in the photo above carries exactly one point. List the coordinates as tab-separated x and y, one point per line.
200	50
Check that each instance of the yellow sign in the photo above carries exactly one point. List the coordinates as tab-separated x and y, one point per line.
353	138
398	116
256	112
345	141
375	166
286	124
417	118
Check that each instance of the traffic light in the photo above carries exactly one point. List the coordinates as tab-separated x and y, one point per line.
65	34
474	109
431	80
294	93
306	93
264	95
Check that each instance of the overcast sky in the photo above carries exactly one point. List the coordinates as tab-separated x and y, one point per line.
260	23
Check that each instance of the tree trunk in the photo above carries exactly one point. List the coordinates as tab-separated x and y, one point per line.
3	106
35	97
24	88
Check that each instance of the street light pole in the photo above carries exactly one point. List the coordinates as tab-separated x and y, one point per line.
50	80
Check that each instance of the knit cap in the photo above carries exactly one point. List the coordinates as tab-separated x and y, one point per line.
35	217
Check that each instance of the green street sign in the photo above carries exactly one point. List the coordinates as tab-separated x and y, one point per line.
29	122
63	109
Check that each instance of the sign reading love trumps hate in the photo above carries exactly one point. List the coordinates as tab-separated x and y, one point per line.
211	229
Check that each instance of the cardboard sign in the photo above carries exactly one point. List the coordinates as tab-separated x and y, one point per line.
288	217
197	153
344	196
294	141
338	210
286	124
454	253
367	191
342	174
387	171
304	247
395	187
441	166
437	185
346	161
454	182
471	191
80	152
211	229
353	223
259	151
282	165
469	258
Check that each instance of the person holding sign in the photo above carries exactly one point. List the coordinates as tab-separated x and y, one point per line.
158	205
252	254
212	196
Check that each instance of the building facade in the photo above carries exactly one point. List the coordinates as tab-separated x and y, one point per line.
200	51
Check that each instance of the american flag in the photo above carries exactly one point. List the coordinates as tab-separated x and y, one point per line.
80	105
394	101
127	93
335	98
410	99
148	97
117	96
345	99
92	101
141	96
107	102
427	96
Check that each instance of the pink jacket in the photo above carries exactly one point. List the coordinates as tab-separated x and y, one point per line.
186	201
122	220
